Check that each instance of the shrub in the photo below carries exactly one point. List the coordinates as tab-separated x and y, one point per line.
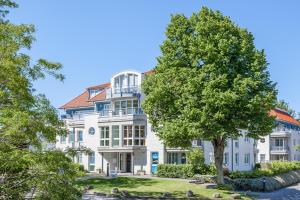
225	187
205	178
184	170
257	166
195	157
268	169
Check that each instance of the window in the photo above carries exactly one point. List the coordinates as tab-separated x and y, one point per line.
236	144
130	106
127	135
94	93
225	159
79	136
247	158
62	139
262	157
247	139
115	136
139	135
71	137
104	136
278	142
197	143
79	157
91	131
91	160
236	158
172	158
211	157
183	158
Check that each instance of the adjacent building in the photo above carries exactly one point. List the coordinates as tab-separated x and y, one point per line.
282	143
108	119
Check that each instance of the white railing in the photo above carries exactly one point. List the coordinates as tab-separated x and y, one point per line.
286	130
279	148
120	91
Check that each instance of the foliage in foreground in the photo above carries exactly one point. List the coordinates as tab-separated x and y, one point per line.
268	169
210	81
28	122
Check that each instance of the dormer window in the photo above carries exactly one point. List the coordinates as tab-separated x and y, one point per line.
94	93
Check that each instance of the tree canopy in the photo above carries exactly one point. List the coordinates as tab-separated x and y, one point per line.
27	120
210	81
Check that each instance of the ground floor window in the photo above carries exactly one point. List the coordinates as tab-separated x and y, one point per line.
176	158
91	160
62	139
247	158
236	158
79	158
262	157
225	159
79	136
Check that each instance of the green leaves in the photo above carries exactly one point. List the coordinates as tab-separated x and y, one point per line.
27	121
209	82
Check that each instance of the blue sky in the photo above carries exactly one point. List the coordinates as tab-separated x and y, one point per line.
96	38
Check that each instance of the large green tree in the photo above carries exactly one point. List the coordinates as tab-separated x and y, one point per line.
210	81
27	121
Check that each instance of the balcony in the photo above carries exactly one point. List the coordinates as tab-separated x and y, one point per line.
279	150
123	92
122	114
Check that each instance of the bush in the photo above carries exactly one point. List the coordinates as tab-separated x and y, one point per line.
257	166
225	187
195	157
205	178
184	170
268	169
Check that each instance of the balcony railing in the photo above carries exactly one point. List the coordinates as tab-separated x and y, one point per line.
121	112
123	91
286	130
279	148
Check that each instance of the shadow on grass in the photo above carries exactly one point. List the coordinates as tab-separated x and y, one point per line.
120	182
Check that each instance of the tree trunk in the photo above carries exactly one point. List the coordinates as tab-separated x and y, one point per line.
219	145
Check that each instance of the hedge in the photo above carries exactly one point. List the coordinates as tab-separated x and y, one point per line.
184	170
268	169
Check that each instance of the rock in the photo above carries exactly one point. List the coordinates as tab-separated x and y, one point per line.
99	194
167	194
89	187
236	196
125	193
216	195
114	191
189	193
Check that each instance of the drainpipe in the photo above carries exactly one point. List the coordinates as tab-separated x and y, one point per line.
231	154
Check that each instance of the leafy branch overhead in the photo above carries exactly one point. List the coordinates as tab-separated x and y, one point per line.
28	120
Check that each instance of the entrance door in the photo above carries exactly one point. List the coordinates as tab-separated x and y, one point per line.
154	162
128	162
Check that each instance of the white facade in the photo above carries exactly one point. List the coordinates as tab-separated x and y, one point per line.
117	131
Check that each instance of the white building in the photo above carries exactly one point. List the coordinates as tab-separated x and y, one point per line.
108	119
282	142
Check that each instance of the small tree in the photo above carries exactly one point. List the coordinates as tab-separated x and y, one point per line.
210	81
195	157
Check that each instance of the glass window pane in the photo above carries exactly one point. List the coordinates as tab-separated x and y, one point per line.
142	131
130	131
129	103
136	142
123	104
130	142
136	131
135	103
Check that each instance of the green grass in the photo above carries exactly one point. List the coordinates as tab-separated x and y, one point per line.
154	188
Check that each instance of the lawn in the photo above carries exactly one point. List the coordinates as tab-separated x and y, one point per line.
154	188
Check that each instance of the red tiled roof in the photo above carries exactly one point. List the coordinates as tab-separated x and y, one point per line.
101	86
99	97
284	116
79	101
